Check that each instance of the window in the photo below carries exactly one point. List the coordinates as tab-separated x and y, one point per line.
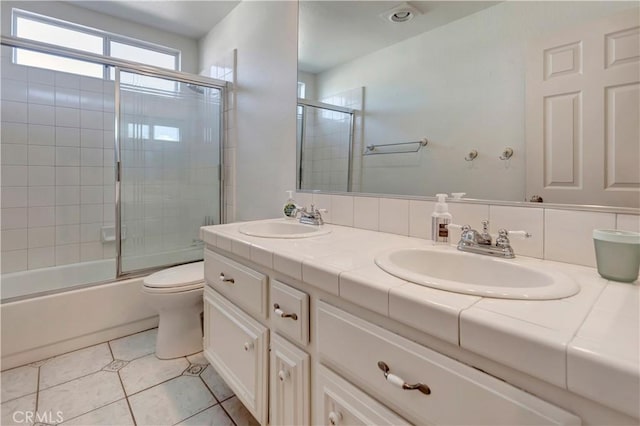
66	34
156	132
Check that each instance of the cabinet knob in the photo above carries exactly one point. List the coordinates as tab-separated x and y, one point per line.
335	418
279	312
283	375
400	382
225	279
248	346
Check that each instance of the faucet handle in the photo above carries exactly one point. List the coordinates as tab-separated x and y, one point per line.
521	234
485	226
503	237
459	227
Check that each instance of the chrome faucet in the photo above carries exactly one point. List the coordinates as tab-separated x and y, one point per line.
473	241
313	216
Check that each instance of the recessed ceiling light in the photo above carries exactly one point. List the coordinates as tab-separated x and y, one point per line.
401	13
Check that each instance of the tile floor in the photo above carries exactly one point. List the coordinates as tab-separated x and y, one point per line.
120	382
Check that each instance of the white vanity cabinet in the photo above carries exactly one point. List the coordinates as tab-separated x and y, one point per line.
270	375
424	386
260	337
238	348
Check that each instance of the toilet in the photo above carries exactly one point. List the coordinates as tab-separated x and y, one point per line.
176	294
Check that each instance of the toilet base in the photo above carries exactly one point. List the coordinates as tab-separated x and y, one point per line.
179	333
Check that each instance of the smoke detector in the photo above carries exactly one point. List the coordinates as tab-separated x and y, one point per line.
403	12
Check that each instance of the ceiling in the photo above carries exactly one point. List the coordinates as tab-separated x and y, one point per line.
335	32
192	19
331	32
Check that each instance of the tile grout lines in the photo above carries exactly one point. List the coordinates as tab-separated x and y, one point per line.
185	372
123	389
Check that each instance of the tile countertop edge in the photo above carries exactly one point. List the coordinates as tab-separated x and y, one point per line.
552	346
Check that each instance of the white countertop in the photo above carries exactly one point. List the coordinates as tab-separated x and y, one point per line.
588	344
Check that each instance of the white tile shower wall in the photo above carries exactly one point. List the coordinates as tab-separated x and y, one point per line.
559	235
57	167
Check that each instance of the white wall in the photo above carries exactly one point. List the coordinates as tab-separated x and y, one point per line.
262	138
89	18
462	88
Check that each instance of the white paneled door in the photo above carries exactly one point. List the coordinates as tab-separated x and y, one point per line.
583	114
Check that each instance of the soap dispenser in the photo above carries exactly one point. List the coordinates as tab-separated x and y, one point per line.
440	218
290	207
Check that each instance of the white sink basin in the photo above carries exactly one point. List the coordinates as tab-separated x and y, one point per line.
283	229
448	269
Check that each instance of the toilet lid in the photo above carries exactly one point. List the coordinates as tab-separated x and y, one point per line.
178	276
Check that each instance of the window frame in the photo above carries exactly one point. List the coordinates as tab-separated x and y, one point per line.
107	37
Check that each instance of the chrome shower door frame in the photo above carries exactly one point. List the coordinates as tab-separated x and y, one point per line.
182	78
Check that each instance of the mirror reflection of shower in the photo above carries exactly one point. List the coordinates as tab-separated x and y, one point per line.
325	137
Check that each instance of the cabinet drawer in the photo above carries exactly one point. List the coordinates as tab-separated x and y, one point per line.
340	403
236	345
290	311
289	384
457	393
238	283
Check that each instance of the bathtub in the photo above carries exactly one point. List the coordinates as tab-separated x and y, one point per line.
36	282
49	311
55	278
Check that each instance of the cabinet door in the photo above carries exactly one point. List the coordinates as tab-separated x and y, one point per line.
236	345
337	402
289	384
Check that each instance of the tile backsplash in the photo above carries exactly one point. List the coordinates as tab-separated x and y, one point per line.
559	235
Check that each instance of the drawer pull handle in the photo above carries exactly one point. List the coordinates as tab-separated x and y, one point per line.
225	279
279	312
248	346
283	375
335	418
399	382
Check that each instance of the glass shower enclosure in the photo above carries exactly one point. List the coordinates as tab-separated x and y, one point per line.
103	178
168	169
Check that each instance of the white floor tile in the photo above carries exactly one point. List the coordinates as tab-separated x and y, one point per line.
12	411
198	359
134	346
82	395
148	371
216	384
239	413
113	414
214	416
76	364
171	402
18	382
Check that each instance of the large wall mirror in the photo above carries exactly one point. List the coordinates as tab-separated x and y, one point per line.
500	100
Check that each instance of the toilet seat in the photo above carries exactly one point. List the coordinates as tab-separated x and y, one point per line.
176	279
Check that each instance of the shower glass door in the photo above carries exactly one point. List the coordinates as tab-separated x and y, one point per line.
169	143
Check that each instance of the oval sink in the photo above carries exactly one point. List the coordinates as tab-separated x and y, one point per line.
451	270
282	229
